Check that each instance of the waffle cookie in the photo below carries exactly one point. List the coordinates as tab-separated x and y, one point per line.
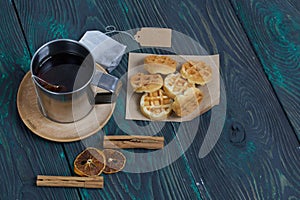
146	83
159	64
196	72
156	105
175	84
187	102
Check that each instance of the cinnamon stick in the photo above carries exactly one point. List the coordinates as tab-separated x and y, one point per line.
70	181
132	142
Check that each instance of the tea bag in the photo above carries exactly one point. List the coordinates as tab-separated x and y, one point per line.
105	50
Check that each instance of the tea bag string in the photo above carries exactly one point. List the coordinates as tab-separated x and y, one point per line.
112	29
46	83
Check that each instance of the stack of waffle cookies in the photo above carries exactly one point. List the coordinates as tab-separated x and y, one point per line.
175	92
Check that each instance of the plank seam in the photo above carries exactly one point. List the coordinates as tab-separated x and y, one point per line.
201	187
28	49
71	169
260	61
20	24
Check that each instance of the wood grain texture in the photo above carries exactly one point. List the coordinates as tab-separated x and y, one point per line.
274	30
50	21
295	4
172	182
256	155
22	155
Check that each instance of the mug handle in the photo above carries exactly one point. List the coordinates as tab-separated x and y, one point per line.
109	83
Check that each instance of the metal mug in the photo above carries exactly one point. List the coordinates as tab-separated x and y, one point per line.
73	104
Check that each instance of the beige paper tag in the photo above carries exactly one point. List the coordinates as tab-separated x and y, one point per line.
154	37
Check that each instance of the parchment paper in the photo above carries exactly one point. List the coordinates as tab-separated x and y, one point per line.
211	91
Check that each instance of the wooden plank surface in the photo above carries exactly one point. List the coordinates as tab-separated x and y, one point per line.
172	182
274	30
22	155
295	4
257	155
50	21
264	165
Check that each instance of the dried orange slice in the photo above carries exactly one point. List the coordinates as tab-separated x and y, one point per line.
90	162
115	161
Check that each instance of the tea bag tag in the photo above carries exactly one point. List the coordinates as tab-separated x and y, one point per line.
154	37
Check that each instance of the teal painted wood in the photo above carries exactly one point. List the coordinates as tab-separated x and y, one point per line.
274	30
52	22
172	182
256	156
22	155
295	4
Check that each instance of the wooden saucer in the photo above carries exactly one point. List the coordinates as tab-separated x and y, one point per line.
59	132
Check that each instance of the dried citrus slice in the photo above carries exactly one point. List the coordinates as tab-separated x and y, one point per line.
115	161
90	162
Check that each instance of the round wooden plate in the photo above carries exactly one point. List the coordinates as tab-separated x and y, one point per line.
29	112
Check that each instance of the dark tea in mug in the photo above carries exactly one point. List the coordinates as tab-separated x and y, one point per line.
64	73
61	71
